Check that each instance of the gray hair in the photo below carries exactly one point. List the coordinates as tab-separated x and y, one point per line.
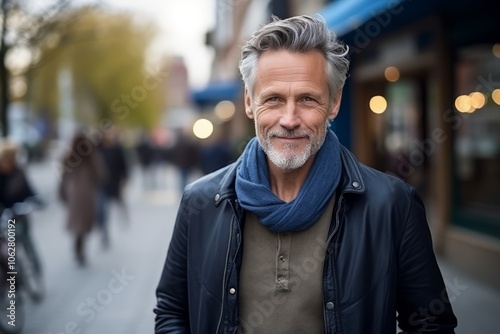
296	34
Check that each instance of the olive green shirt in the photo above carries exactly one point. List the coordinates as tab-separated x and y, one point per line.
281	278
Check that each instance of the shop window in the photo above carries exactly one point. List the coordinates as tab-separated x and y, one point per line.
399	131
477	139
403	126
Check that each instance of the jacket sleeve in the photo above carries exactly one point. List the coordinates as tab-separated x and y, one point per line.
172	315
423	305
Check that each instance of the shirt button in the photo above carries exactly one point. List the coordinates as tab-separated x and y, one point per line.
329	305
355	184
217	197
232	291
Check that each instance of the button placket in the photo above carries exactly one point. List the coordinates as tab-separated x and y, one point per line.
283	262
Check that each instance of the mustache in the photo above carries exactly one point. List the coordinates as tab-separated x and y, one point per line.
288	133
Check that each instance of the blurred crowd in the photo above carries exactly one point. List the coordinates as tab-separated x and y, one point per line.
95	168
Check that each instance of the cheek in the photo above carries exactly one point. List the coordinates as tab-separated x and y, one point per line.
266	119
315	123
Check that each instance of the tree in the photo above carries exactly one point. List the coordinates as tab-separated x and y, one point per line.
21	29
105	51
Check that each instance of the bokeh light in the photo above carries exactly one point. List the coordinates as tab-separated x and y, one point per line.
391	73
463	103
203	128
496	50
496	96
478	100
225	110
18	87
378	104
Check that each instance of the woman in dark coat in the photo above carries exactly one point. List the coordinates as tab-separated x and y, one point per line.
82	176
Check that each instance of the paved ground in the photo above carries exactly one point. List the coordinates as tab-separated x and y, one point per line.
114	294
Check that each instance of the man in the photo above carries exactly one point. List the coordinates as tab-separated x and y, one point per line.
14	185
116	171
15	188
297	236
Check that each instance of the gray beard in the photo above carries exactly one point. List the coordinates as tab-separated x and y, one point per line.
286	160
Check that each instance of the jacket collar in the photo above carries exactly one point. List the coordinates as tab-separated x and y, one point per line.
351	180
227	184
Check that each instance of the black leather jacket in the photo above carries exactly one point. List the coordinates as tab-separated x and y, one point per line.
379	259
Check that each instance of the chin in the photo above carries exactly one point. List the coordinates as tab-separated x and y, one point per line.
288	161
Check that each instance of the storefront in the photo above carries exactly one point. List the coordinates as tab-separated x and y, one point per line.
424	104
477	140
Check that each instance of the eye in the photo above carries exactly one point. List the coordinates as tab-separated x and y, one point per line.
273	101
308	98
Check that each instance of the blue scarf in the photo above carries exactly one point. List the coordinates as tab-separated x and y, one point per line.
255	195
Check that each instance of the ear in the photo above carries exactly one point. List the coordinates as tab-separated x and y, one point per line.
334	109
248	104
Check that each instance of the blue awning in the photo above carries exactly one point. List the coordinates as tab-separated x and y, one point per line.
217	91
344	16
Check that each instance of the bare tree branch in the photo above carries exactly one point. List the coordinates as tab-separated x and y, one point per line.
21	28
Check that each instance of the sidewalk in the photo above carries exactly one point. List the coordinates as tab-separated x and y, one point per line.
476	305
115	292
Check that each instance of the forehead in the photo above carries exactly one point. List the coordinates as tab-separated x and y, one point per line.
285	58
285	66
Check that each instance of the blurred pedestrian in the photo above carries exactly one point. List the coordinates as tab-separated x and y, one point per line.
14	185
117	171
82	175
297	236
146	155
185	155
216	151
214	156
16	188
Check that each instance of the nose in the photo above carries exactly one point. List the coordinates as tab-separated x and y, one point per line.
289	117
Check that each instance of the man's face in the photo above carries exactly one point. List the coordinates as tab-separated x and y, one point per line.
291	106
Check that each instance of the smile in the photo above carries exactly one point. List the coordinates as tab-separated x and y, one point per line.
290	140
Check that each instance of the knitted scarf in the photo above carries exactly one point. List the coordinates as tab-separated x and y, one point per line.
255	195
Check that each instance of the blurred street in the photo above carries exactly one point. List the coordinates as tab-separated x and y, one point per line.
130	268
421	101
115	292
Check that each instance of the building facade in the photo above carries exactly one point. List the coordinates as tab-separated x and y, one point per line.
422	102
424	105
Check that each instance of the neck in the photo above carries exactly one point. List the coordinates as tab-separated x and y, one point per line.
286	184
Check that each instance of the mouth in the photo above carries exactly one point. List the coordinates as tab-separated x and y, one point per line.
289	142
290	137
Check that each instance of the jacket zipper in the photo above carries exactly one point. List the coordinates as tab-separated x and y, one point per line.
335	229
224	281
